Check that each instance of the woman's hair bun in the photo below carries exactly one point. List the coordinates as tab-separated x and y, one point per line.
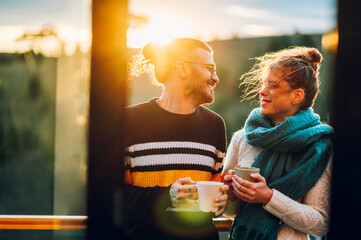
314	55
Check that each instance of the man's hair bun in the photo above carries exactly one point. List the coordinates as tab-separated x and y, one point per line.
150	51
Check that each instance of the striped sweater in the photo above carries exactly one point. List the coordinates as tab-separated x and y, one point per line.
162	147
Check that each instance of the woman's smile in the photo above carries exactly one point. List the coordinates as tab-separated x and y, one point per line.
265	102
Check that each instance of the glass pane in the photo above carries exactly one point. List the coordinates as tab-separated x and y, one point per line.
237	31
44	81
44	92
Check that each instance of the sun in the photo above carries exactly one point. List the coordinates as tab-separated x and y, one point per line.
160	29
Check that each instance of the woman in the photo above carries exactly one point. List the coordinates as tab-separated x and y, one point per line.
287	141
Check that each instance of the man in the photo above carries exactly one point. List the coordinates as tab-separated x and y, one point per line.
172	142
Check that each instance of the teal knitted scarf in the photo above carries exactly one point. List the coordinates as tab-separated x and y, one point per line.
295	154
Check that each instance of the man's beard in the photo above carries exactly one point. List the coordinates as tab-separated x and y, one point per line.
200	93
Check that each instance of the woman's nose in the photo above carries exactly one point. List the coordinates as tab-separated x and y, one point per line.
263	90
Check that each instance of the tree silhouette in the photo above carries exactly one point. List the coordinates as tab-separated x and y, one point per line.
37	41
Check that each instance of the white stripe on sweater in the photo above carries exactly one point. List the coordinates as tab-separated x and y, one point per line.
166	159
175	144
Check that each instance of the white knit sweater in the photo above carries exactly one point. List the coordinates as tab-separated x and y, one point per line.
298	219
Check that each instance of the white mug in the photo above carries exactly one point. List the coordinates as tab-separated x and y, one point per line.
207	191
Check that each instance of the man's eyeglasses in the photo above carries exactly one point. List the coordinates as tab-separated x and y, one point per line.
211	67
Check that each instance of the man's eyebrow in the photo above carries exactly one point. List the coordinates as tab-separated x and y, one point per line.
210	65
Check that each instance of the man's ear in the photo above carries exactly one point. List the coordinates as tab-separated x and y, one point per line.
297	96
182	69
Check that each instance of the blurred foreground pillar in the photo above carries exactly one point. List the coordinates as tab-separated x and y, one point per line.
107	103
346	205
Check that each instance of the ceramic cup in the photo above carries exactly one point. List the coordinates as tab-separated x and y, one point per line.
207	191
245	172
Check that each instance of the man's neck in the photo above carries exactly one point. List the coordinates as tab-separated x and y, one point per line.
176	103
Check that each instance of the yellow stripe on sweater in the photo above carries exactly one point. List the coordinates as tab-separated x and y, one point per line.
167	178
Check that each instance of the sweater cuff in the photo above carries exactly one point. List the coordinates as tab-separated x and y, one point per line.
277	205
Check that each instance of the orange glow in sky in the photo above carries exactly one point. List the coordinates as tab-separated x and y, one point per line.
206	20
160	29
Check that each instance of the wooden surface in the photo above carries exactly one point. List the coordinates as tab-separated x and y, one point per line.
48	222
39	222
223	224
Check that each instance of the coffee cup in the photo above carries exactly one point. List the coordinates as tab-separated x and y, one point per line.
207	191
245	172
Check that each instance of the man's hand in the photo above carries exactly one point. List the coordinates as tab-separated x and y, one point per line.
221	201
183	193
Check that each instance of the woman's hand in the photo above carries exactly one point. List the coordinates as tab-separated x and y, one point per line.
183	193
251	192
228	180
221	201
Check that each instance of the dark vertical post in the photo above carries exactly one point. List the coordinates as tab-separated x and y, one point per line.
107	102
346	203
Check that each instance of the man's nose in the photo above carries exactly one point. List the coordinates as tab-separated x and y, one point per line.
215	78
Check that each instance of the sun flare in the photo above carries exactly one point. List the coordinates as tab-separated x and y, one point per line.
160	29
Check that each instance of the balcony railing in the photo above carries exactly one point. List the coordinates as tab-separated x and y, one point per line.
50	222
43	222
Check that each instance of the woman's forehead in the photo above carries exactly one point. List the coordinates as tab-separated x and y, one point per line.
277	72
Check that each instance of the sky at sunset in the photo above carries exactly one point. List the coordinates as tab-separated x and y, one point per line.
164	20
222	19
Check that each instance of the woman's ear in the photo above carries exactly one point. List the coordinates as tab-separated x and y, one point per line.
182	69
297	96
